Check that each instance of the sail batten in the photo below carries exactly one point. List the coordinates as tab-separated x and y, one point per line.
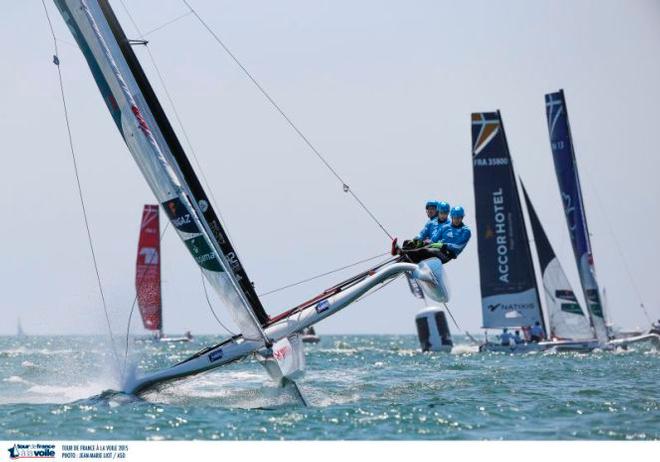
509	294
159	155
563	154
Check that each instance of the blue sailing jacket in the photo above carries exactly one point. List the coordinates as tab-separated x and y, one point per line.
435	237
455	238
428	230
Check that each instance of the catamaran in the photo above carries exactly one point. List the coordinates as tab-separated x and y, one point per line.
148	278
563	154
146	130
509	290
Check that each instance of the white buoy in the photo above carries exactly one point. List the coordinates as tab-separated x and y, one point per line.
433	329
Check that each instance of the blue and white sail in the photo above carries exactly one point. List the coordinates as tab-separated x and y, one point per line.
159	155
509	293
566	317
563	155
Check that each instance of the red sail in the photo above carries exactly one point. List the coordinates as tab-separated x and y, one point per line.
147	270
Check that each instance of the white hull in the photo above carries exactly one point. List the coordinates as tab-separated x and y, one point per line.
311	339
174	339
558	345
238	347
164	339
653	338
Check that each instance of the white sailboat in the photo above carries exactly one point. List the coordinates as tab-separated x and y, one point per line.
145	128
563	152
510	295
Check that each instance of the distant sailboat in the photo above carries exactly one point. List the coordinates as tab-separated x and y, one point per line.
147	276
567	319
509	291
20	333
568	179
309	335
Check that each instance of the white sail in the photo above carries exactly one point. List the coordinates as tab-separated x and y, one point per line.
566	318
153	154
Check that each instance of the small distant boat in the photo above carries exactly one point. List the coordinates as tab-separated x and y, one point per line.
309	335
20	333
147	277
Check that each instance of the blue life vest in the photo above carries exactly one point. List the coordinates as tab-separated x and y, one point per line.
537	331
438	229
506	338
428	230
455	238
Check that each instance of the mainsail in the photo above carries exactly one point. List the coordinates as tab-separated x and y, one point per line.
159	155
565	316
509	294
147	270
563	155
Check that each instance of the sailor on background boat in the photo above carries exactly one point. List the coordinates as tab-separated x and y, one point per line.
518	339
536	333
506	338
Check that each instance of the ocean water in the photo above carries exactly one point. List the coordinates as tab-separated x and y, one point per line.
359	387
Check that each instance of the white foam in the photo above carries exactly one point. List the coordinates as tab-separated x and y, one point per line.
15	379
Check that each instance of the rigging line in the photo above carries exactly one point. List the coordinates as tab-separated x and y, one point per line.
139	283
206	294
172	21
382	286
177	117
456	324
56	61
620	250
277	107
321	275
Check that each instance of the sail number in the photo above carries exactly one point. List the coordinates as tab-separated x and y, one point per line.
480	162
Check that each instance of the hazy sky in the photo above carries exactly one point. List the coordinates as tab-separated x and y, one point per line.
385	90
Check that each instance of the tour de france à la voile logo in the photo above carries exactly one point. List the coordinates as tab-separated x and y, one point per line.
31	451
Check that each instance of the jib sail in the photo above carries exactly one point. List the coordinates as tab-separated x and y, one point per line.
563	155
159	155
565	316
147	270
509	295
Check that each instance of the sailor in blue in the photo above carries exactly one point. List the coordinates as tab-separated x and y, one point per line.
506	337
518	339
430	227
452	239
443	217
536	332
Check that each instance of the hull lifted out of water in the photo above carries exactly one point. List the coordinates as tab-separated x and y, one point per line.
153	143
429	273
